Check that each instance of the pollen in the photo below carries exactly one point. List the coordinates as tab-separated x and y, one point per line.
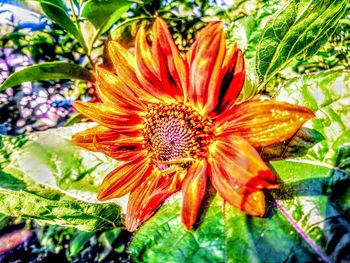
175	133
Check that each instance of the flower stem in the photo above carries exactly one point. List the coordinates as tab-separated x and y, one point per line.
76	21
311	243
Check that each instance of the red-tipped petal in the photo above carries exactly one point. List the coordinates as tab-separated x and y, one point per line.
205	60
148	71
109	117
173	69
254	202
238	174
120	181
232	80
146	198
122	148
193	189
263	123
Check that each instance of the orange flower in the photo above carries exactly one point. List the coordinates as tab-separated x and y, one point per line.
173	121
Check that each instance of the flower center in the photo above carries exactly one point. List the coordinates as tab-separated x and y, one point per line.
176	134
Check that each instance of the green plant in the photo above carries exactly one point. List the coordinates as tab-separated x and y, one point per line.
45	178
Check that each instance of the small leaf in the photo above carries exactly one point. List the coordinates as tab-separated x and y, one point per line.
88	31
106	239
78	242
103	14
47	71
74	119
298	30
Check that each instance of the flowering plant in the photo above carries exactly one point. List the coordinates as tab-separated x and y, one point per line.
174	122
208	142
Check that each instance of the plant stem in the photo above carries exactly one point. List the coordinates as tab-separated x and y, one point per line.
308	240
133	19
98	32
76	21
73	13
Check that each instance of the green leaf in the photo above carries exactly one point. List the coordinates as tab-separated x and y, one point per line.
325	168
315	191
103	14
43	176
106	239
89	33
27	200
47	71
7	146
57	11
327	94
225	235
297	31
50	159
78	242
4	220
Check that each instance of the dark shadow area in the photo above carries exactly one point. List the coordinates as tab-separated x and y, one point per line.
296	146
334	240
273	240
337	227
210	193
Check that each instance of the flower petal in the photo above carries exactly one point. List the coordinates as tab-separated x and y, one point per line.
126	68
112	91
109	117
173	69
193	189
148	71
122	148
120	181
124	62
232	80
238	174
263	123
205	59
85	138
146	198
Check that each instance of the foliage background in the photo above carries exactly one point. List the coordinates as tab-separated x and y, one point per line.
306	45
